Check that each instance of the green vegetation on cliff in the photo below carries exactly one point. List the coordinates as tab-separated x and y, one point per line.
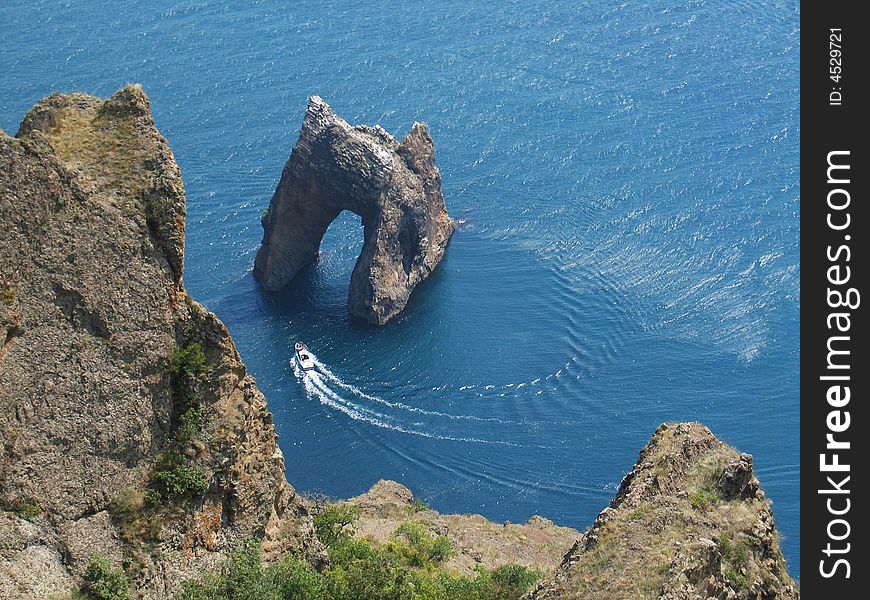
103	581
408	567
172	479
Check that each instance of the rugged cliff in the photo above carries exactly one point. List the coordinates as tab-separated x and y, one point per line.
394	186
128	423
688	522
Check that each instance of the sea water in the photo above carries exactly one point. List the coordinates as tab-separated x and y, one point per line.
627	177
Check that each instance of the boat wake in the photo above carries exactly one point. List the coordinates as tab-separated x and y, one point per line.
330	390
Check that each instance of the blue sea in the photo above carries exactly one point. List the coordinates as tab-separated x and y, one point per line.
627	177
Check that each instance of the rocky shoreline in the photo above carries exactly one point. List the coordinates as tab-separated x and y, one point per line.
130	427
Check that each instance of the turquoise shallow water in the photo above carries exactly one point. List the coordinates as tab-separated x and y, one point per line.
628	177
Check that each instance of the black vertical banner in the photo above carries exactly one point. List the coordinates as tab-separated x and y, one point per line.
834	371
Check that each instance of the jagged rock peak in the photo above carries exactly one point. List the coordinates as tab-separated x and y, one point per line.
111	145
689	521
394	186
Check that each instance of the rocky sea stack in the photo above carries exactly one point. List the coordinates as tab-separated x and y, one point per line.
395	187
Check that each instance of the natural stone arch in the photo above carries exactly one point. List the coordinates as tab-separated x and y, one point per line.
394	187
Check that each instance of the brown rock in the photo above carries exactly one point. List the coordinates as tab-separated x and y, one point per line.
394	186
737	479
688	522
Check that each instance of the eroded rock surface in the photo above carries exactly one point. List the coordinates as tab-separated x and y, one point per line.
688	522
394	186
92	211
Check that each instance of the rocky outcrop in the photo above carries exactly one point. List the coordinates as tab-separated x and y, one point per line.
688	522
93	308
394	186
537	544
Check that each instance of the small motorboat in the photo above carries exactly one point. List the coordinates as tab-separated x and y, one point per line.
303	357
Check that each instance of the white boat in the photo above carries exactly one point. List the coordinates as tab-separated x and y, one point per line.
303	357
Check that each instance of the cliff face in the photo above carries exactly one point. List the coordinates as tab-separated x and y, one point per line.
93	311
688	522
394	186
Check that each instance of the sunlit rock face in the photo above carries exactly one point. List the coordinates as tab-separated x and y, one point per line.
394	186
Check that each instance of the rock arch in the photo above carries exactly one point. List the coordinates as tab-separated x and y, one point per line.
394	186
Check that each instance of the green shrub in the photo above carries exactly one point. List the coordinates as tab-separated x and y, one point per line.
509	581
333	522
416	545
295	579
363	570
350	551
172	479
8	297
102	581
152	497
178	481
188	360
418	505
189	425
245	577
703	498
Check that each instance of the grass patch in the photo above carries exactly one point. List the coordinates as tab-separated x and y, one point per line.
8	297
139	522
639	513
703	499
735	555
28	510
104	148
702	487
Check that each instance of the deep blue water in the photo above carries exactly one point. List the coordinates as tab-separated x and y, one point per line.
628	177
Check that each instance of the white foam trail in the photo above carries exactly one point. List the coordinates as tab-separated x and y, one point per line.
316	388
318	383
314	392
332	377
